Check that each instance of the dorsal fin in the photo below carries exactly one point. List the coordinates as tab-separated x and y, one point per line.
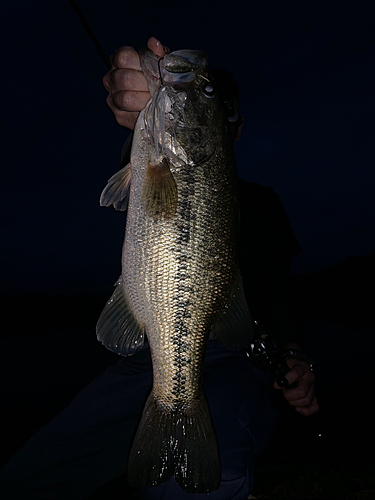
234	327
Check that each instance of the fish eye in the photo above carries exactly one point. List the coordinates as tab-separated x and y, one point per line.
208	90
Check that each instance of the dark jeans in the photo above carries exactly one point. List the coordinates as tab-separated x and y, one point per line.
87	444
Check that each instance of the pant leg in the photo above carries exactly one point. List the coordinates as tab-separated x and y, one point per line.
239	398
87	444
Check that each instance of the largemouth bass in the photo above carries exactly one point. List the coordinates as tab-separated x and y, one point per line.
180	279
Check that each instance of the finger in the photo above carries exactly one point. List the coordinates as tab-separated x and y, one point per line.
157	47
300	389
300	396
298	369
312	408
292	376
126	119
126	57
126	79
128	100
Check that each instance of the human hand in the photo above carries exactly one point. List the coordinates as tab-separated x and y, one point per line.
126	85
301	393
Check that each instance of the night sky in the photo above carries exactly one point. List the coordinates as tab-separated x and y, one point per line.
306	76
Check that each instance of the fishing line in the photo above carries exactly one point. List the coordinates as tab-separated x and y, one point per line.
160	75
95	41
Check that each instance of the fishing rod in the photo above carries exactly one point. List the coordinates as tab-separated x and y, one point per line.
127	146
91	34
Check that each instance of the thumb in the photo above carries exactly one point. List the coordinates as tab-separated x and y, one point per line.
157	47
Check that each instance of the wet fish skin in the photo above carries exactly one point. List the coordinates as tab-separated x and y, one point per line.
180	277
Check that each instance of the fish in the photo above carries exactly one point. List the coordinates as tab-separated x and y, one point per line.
180	283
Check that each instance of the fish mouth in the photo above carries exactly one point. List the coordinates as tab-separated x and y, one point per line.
177	72
181	61
181	66
177	68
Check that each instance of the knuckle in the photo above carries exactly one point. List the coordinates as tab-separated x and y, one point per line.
301	395
112	77
125	79
126	100
124	56
115	57
126	119
310	378
121	119
121	100
301	403
106	81
311	409
109	101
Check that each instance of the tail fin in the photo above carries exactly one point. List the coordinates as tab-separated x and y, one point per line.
173	443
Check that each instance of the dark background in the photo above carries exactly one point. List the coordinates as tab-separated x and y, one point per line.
306	76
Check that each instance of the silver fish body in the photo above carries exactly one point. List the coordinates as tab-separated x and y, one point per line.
180	278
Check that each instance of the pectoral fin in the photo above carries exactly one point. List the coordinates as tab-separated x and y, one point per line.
117	190
117	328
160	190
234	328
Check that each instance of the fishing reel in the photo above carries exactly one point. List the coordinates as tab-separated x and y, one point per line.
265	355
